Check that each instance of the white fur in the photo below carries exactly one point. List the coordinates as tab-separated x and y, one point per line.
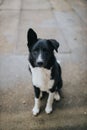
41	94
48	108
58	61
36	108
57	96
39	59
41	78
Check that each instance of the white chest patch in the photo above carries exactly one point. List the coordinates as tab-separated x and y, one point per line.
41	78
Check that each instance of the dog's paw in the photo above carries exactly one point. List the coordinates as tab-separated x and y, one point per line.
57	96
48	109
35	111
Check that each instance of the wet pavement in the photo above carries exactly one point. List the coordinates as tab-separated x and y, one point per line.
64	20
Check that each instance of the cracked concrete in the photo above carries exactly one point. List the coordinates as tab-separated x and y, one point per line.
65	21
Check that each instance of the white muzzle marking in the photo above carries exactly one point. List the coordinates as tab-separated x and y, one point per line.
39	59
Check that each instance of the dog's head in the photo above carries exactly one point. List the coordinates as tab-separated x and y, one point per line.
41	50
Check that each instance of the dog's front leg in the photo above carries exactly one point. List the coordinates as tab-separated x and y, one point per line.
48	108
36	108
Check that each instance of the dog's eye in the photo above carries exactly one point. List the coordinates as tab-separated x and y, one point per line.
35	52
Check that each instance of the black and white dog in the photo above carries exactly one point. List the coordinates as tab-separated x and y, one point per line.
46	71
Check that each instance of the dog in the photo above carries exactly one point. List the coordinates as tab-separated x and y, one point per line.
45	70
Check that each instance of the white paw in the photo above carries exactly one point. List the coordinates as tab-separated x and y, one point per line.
57	96
48	110
35	111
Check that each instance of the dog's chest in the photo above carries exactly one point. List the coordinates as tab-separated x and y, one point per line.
41	78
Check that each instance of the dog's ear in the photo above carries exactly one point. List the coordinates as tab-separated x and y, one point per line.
53	44
31	38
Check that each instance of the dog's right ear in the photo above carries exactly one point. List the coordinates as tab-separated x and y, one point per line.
31	38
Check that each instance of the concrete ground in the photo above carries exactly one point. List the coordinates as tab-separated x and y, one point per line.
64	20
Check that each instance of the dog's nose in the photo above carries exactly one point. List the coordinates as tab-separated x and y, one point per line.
40	63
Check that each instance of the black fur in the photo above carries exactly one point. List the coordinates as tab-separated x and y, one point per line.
56	75
37	92
46	48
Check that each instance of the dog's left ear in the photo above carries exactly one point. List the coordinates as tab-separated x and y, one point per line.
31	38
54	44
